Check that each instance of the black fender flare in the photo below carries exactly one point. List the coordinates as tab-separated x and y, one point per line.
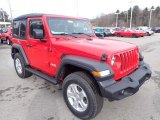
21	51
84	63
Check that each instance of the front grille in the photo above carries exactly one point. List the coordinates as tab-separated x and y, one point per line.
129	60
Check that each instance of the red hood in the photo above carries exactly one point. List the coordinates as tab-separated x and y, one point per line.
92	48
95	48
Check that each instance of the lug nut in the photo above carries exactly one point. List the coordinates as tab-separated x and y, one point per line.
122	92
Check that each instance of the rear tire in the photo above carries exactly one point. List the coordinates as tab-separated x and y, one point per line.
91	99
20	66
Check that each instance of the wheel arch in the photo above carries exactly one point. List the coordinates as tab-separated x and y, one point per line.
71	63
19	49
7	37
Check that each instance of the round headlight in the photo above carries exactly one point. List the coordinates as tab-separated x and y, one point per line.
113	60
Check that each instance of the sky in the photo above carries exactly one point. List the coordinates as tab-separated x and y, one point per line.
81	8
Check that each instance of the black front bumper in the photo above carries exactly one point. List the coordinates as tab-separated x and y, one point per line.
127	86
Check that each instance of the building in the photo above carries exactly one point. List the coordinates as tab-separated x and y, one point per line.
4	25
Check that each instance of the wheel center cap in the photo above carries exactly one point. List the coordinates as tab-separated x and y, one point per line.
77	97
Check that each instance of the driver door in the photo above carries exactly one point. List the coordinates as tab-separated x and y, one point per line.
38	51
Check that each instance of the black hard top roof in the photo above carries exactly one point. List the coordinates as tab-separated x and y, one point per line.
32	15
28	16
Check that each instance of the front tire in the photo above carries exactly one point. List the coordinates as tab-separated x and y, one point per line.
134	36
9	41
148	34
1	41
118	35
20	66
81	95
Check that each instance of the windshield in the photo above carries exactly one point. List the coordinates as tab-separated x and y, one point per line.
99	30
60	26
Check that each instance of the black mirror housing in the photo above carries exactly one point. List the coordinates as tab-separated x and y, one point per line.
38	34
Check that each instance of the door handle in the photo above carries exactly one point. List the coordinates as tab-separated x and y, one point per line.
29	45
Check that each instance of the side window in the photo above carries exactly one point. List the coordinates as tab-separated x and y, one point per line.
36	24
16	29
19	29
23	29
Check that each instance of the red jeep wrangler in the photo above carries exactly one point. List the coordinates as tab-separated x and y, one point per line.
65	51
7	36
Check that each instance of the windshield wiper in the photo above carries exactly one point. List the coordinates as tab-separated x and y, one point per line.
65	34
83	34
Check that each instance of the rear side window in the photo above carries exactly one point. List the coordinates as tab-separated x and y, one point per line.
23	29
19	29
16	29
36	24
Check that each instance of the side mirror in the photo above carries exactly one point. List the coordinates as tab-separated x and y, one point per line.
38	34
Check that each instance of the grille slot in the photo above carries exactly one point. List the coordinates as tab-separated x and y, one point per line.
129	60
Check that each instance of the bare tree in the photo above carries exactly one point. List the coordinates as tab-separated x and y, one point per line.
140	18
